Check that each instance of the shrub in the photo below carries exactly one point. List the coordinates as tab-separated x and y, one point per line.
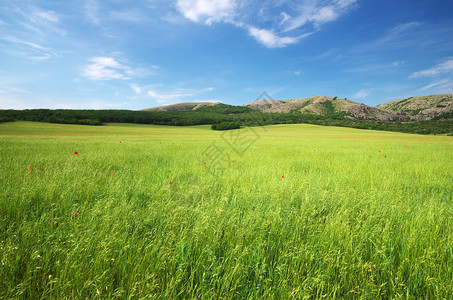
226	126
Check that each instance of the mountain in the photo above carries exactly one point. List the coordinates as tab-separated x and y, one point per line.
423	107
327	106
202	107
413	108
180	107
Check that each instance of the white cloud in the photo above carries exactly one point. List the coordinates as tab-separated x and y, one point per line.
178	95
318	12
362	94
439	87
131	15
171	97
207	11
285	18
49	15
441	68
430	86
280	17
43	20
399	36
107	68
43	52
104	68
137	89
269	39
91	12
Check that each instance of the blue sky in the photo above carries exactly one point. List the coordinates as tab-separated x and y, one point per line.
137	54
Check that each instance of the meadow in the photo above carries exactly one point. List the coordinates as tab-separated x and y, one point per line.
127	211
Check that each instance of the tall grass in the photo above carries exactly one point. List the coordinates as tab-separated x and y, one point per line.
344	221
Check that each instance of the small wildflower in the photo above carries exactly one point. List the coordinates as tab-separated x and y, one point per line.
75	152
74	213
170	183
29	169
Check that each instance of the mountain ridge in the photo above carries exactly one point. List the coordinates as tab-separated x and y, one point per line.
419	108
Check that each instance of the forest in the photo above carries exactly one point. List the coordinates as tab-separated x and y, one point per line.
226	114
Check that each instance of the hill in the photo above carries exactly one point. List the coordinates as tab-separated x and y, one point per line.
180	107
423	107
325	106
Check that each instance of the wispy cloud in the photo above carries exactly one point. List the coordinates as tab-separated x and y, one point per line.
365	67
174	96
270	39
11	90
108	68
29	49
137	89
399	36
91	12
398	31
48	15
170	97
207	11
318	12
42	20
130	15
362	94
442	68
284	16
435	84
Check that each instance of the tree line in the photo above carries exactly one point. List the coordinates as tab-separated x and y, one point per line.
222	117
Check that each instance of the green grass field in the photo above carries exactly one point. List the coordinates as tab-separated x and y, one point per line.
277	212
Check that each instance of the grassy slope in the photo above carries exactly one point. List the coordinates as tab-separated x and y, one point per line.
185	106
416	103
344	221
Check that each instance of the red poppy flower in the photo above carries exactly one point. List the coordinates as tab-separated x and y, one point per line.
120	142
135	170
283	176
113	171
315	150
74	213
170	183
29	169
75	152
204	163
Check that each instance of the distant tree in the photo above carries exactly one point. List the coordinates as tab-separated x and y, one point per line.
226	126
